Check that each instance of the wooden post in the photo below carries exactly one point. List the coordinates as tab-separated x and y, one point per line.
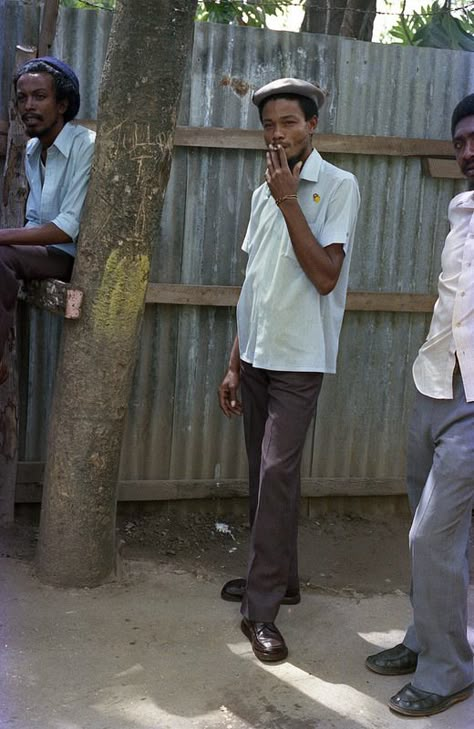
48	27
12	215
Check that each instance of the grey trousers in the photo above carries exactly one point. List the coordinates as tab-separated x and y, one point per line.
26	263
440	476
278	408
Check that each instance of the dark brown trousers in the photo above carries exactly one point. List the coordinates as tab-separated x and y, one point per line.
278	408
26	263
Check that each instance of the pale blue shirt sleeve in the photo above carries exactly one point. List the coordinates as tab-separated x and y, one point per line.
341	216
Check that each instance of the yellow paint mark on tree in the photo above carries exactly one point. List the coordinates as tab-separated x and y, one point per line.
121	295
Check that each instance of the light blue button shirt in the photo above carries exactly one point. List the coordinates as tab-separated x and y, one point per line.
59	199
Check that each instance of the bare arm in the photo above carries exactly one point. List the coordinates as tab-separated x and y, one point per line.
227	392
40	235
322	265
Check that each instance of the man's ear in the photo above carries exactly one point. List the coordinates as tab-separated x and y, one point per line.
63	106
313	123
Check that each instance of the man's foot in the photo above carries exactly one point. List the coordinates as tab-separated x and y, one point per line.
234	590
4	372
393	662
411	701
267	642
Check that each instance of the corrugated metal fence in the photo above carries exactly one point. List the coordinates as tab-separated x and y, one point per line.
174	429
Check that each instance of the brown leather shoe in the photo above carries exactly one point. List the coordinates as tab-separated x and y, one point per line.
233	591
394	661
267	642
412	701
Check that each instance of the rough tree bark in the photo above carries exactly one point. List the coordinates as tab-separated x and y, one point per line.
140	92
349	18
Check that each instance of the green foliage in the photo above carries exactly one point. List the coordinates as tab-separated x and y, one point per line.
247	12
240	13
435	26
94	4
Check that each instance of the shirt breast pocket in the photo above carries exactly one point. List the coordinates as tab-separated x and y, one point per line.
316	225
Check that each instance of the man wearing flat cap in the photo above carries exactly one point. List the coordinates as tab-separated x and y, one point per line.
58	162
299	244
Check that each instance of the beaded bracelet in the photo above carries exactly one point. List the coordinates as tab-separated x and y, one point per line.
285	197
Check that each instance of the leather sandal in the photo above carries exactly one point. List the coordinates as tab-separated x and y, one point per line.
412	701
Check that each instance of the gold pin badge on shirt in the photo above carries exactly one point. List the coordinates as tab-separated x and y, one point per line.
316	197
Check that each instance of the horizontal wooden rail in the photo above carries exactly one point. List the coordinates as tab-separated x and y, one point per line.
61	298
386	301
30	476
252	139
186	294
226	138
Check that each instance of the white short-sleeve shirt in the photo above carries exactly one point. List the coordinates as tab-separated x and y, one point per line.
283	322
452	326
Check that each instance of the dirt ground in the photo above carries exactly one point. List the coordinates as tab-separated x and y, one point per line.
344	555
338	554
158	649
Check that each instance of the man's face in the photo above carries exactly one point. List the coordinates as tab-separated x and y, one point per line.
40	112
463	141
284	124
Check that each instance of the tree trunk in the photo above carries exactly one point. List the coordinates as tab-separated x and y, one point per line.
349	18
140	91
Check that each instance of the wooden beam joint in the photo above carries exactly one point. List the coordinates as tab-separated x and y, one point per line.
55	296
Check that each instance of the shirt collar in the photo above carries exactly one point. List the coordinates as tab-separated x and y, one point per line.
465	199
63	142
312	167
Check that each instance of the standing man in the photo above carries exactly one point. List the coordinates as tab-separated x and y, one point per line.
58	163
440	472
299	243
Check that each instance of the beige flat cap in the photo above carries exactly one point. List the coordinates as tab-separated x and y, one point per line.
290	86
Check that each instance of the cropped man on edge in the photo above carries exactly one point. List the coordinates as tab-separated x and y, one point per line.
58	162
299	243
440	472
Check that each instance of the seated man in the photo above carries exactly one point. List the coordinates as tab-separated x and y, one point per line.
58	162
